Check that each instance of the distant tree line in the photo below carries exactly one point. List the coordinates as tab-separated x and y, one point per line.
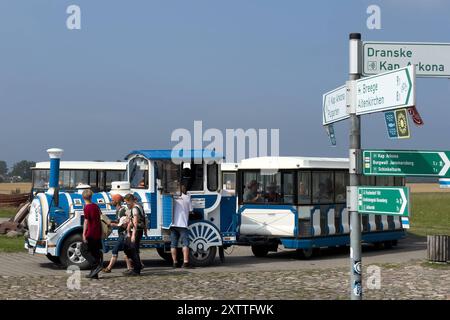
20	171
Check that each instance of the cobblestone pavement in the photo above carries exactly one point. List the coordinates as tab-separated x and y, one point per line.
414	280
236	259
403	275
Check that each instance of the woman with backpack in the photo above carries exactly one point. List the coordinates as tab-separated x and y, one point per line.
136	228
121	223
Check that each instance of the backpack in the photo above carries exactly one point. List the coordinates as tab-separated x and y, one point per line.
143	221
106	226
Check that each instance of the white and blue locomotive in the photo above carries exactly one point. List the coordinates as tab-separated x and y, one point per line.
56	218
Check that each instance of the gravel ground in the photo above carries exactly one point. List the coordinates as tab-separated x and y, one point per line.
414	280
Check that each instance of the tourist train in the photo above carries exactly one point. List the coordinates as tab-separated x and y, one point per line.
263	202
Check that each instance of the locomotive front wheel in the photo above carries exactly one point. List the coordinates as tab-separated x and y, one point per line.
71	253
202	258
54	259
204	239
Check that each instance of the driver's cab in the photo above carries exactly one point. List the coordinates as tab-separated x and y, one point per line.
155	177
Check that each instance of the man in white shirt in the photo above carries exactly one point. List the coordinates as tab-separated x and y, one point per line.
179	227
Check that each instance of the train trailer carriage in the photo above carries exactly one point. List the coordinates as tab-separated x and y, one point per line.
74	175
154	177
300	202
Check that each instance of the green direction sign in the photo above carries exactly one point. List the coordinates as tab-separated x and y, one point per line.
384	200
386	91
406	163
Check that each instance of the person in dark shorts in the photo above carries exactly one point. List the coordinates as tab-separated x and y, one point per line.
92	234
121	223
135	230
179	227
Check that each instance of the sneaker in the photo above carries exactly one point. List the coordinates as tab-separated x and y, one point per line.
175	265
133	274
106	270
187	265
127	272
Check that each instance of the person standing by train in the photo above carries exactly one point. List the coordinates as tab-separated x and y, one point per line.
92	234
135	231
121	223
179	227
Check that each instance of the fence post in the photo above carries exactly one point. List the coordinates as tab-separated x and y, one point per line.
437	248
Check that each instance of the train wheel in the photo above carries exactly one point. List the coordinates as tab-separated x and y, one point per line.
306	253
204	239
54	259
378	245
71	253
165	255
260	251
202	258
388	244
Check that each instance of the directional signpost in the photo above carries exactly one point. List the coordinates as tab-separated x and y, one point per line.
386	91
335	105
406	163
430	59
384	200
393	67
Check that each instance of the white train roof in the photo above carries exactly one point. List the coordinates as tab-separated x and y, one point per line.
84	165
228	166
294	163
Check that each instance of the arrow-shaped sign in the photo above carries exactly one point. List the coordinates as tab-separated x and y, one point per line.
386	91
335	105
383	200
406	163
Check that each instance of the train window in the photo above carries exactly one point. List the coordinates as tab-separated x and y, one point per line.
40	179
341	181
267	188
79	177
113	176
192	176
288	194
399	181
304	187
138	173
169	174
229	181
252	187
323	187
64	179
93	182
213	176
368	181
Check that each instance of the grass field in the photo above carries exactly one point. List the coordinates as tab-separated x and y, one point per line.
7	212
430	213
7	188
11	244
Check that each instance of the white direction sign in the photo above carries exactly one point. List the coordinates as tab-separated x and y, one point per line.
386	91
430	59
335	105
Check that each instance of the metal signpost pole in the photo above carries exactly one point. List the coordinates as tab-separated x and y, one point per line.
355	146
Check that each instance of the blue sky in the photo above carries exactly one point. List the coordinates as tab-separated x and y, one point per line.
137	70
